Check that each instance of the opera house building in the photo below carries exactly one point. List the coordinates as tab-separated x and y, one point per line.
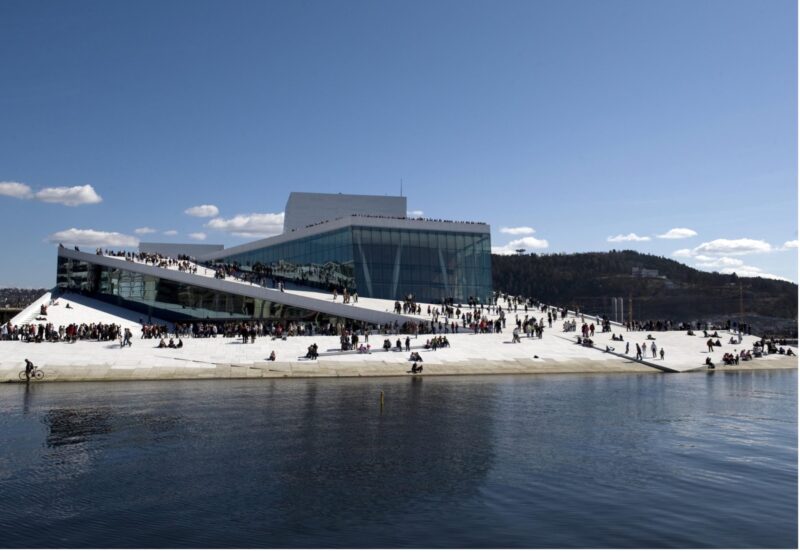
359	245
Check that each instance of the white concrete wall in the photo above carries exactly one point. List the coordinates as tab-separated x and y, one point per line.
305	208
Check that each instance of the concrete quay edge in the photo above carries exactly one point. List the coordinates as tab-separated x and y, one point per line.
322	369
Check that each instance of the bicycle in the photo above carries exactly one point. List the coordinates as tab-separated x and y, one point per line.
35	374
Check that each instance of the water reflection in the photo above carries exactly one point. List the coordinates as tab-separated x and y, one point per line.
465	462
72	427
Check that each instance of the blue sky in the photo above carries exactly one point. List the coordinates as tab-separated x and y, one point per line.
581	121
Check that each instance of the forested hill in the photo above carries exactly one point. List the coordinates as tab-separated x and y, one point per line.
676	291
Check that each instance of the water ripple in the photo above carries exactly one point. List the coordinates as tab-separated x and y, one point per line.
558	461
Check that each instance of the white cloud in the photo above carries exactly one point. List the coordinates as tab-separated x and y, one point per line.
203	211
517	230
145	230
198	236
65	195
523	243
414	214
627	238
677	234
729	265
724	248
722	262
170	232
15	189
93	238
752	272
254	225
742	246
70	196
790	244
721	256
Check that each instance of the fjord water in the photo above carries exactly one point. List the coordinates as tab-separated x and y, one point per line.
687	460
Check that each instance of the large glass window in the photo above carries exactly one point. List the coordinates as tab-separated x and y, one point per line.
429	265
321	261
380	262
171	300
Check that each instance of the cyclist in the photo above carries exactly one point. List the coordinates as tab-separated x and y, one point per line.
29	367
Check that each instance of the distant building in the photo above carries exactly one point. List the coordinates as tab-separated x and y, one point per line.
639	272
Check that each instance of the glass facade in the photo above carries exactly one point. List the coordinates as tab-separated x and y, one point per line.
318	261
387	263
171	300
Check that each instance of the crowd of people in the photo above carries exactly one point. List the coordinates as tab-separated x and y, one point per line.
447	317
403	218
68	333
689	327
347	297
171	345
760	348
408	306
258	274
183	263
437	342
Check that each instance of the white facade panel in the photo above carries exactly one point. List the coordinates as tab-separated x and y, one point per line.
304	208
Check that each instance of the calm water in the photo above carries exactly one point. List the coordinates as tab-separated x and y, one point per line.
694	460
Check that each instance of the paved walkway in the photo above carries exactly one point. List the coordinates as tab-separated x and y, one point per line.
556	352
469	354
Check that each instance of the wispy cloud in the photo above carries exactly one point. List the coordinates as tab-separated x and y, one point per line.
170	232
721	256
724	247
145	230
526	243
677	234
93	238
791	244
202	211
517	230
741	246
200	236
729	265
721	262
627	238
71	196
16	189
254	225
752	272
415	214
